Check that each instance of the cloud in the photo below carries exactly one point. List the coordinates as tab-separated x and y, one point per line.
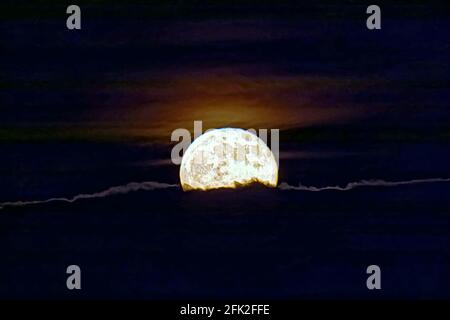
123	189
153	185
362	183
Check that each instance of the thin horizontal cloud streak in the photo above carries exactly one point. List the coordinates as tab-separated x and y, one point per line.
116	190
362	183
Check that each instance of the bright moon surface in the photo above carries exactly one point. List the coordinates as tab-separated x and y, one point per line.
227	158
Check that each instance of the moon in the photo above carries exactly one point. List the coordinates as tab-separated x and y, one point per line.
227	158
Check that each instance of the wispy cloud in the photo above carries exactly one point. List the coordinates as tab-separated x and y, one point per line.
153	185
362	183
123	189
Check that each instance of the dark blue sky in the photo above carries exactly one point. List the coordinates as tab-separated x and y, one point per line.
144	69
80	111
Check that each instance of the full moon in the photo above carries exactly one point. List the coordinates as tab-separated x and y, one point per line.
227	158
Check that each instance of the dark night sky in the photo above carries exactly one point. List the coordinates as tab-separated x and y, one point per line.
84	111
144	69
